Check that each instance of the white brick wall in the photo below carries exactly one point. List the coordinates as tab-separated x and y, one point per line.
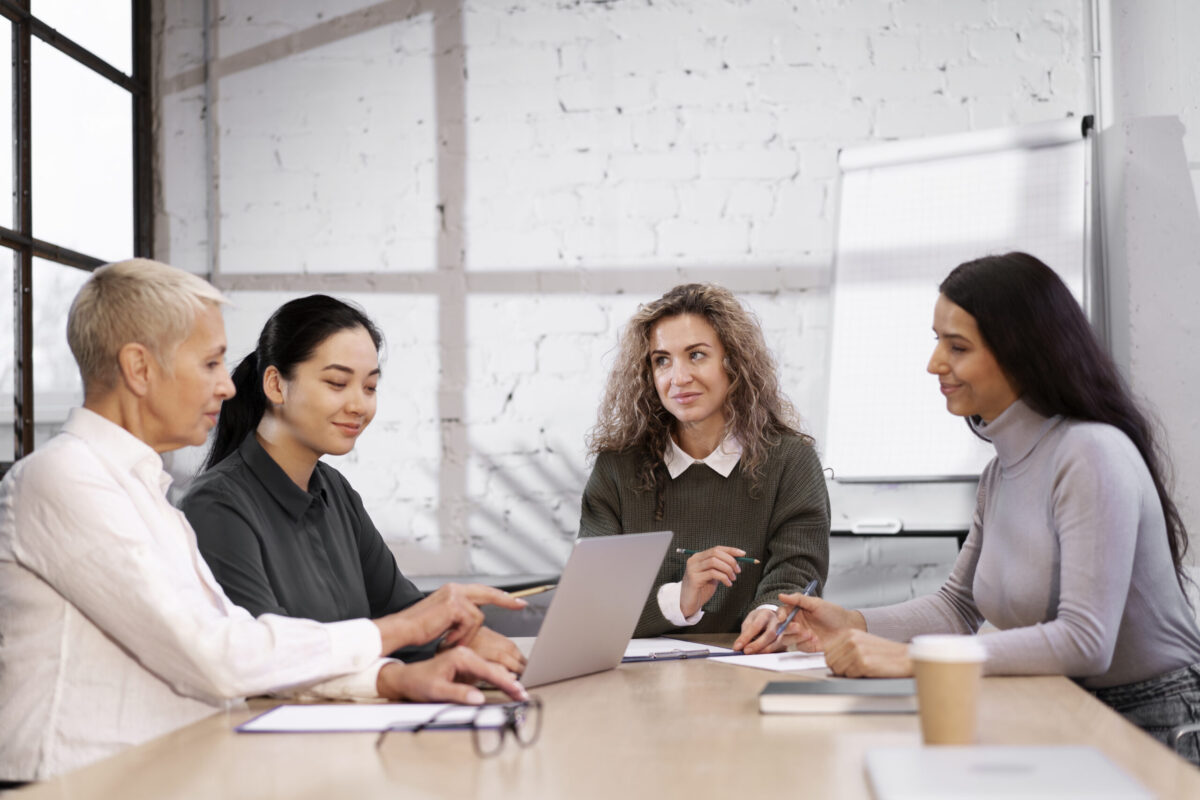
622	146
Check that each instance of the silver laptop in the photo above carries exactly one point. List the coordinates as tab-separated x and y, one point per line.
596	606
1030	773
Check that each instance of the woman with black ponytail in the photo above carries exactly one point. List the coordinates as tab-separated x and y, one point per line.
283	532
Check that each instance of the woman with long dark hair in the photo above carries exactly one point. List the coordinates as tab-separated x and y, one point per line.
1075	551
283	532
695	436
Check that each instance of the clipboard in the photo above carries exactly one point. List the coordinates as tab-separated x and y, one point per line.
663	649
370	717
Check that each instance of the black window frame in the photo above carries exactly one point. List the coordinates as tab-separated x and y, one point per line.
19	239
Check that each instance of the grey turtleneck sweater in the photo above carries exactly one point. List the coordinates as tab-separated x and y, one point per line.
1067	555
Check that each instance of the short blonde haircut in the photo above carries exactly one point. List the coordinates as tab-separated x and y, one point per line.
135	301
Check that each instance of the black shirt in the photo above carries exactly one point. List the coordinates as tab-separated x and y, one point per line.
277	549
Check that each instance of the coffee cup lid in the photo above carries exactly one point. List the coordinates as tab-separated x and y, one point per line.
943	647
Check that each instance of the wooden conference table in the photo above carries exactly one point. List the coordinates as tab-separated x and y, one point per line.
648	730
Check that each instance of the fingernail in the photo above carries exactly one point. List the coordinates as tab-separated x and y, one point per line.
475	697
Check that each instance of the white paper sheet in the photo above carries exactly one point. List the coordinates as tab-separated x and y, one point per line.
778	662
347	717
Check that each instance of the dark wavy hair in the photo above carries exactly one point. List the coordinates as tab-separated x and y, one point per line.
632	416
290	337
1041	339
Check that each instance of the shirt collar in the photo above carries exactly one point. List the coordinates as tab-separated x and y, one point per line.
722	460
117	445
294	500
1015	432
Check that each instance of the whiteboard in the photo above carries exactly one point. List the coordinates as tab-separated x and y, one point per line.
909	212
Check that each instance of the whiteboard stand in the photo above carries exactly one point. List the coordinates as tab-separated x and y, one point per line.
908	213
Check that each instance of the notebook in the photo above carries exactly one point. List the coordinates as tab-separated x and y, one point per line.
1030	773
840	696
596	606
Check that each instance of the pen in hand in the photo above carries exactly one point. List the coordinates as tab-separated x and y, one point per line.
534	590
808	590
683	551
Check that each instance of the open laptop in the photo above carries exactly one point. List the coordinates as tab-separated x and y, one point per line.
596	606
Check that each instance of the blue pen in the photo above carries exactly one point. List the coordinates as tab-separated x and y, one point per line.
792	614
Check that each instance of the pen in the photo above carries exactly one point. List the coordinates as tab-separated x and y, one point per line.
792	614
533	590
683	551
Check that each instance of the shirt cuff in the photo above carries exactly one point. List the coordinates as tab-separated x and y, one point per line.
768	607
361	685
354	643
669	605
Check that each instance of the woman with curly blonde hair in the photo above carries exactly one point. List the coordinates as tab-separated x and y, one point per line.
695	436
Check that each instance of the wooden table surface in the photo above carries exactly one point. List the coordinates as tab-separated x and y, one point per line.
663	730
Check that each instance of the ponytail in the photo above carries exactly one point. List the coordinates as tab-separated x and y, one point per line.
241	413
290	337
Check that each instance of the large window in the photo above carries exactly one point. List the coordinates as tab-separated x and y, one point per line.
74	91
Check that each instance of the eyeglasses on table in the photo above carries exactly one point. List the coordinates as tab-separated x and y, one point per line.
489	724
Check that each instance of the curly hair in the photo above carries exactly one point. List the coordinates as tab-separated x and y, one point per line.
756	411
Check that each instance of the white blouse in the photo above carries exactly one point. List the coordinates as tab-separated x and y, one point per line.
112	628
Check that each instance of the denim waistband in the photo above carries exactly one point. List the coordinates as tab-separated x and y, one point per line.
1185	679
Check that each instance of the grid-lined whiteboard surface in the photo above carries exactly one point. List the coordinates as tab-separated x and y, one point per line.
902	227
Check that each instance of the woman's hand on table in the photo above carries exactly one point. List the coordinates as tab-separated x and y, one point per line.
492	646
448	677
858	654
758	633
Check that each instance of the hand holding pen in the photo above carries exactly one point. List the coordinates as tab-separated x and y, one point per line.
683	551
760	634
808	590
704	571
820	620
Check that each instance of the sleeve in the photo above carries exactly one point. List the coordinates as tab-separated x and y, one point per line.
119	561
232	549
670	603
600	515
600	508
388	591
798	540
361	685
1096	503
952	608
1095	506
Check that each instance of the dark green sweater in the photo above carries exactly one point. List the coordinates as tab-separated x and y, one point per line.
786	526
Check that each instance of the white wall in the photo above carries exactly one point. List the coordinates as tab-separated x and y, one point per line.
1152	94
500	183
